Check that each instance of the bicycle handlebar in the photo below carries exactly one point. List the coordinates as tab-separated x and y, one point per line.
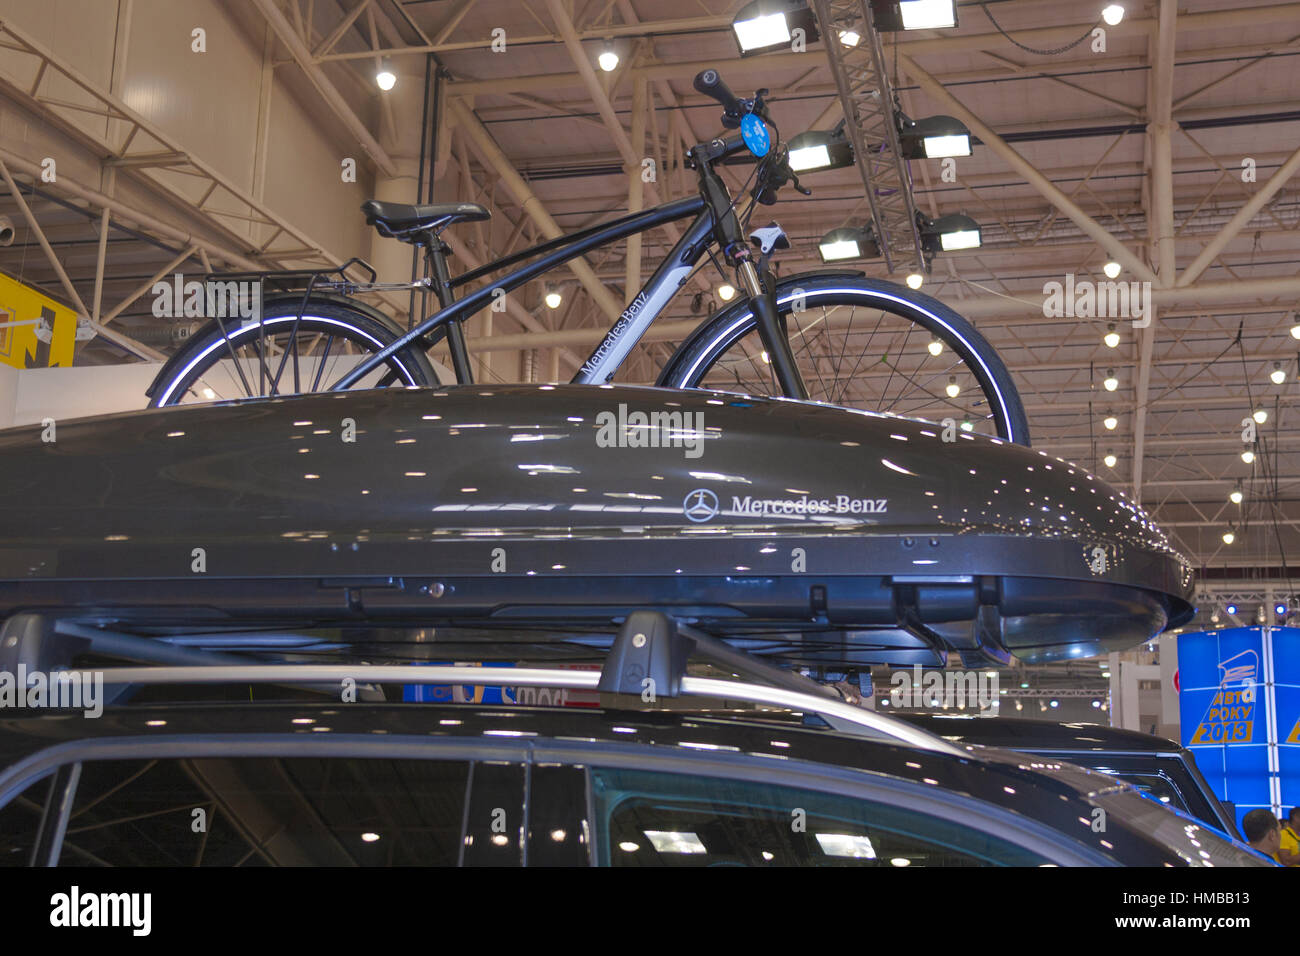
711	84
775	166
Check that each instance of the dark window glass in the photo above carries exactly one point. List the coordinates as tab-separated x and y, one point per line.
494	825
20	820
267	812
1155	785
557	817
652	819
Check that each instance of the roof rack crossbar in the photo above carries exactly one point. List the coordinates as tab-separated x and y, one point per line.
650	652
46	644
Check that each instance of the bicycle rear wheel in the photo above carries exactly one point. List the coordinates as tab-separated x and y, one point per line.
862	343
285	354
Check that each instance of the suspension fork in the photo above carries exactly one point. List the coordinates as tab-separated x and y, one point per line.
762	293
771	328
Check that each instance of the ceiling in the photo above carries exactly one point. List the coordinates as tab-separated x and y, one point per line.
1146	140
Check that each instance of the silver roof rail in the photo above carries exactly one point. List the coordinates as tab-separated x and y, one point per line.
648	657
841	715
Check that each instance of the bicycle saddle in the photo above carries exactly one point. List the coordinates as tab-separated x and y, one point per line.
399	220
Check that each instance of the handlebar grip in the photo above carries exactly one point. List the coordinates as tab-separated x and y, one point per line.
710	83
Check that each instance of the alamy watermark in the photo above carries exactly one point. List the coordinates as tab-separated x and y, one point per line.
1086	299
61	690
73	909
192	299
943	689
662	429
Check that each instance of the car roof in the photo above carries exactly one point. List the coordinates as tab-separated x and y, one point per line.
1016	733
1048	792
982	773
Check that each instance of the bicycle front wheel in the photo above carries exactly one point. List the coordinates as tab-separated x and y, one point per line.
286	354
861	343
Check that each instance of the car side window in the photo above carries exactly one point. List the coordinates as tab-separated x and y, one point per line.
657	819
1156	786
236	811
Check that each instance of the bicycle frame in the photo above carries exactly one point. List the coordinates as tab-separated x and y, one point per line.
631	324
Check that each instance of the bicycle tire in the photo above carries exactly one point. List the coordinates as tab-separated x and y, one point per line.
691	364
217	340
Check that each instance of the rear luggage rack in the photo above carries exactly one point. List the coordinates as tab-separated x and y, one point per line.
648	660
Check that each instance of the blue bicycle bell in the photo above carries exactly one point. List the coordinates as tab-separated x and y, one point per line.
754	132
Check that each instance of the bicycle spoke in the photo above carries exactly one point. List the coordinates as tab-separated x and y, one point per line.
320	363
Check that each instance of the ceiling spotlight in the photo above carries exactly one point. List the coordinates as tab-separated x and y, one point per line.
1111	382
1279	609
1111	269
949	233
1295	327
766	25
1228	538
892	15
850	37
1231	608
1110	421
726	292
915	280
1214	618
1113	13
608	59
209	393
1248	456
935	137
816	150
553	299
1277	375
935	347
1260	416
1110	459
385	78
1236	495
967	426
1111	338
953	389
848	242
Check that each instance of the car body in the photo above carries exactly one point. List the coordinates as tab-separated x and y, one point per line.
1159	767
323	783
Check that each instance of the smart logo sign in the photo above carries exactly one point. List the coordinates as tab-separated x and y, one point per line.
1239	700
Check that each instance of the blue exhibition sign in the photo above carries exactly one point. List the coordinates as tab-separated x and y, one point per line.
1239	703
1286	681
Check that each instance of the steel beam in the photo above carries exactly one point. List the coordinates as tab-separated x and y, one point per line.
1160	226
298	50
531	205
867	98
1113	246
37	231
1244	215
978	307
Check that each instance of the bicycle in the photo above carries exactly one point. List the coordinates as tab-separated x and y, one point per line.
755	345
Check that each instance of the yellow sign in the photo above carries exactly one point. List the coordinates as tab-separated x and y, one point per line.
35	330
